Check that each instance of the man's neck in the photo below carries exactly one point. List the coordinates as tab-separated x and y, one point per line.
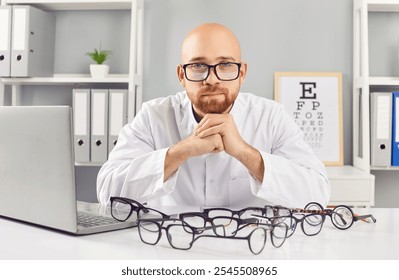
197	117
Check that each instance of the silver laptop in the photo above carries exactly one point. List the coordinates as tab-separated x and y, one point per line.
37	172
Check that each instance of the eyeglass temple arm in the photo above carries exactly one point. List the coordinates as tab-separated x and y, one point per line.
365	218
247	222
202	229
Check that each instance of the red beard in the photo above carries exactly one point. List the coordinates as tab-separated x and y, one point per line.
213	99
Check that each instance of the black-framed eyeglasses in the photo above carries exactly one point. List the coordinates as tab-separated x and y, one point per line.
244	213
222	225
229	226
311	224
122	209
256	237
278	210
224	71
182	236
179	233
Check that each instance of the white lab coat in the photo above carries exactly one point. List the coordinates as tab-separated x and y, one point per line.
293	176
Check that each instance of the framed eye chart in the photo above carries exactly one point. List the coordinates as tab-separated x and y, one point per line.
314	100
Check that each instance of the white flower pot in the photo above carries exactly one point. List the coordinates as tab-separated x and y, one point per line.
99	70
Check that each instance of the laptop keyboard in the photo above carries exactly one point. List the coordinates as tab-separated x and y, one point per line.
89	220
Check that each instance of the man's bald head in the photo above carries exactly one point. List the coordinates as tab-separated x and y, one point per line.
210	41
211	44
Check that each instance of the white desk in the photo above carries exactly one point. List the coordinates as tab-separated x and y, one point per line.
361	241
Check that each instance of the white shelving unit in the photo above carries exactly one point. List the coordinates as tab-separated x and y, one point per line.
133	78
362	81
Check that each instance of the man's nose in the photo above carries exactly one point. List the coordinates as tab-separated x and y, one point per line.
212	78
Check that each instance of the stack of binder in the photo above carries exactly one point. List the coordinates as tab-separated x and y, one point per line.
99	115
384	129
27	38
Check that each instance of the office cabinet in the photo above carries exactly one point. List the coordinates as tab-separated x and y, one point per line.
130	80
363	82
350	186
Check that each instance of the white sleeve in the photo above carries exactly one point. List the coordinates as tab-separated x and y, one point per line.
293	175
135	168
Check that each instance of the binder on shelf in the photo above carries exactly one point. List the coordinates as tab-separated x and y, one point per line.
381	126
5	40
32	45
395	129
99	125
117	115
81	121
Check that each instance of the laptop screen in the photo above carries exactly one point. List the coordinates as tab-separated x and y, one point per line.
37	180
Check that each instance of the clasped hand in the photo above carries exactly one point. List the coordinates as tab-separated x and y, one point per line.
216	133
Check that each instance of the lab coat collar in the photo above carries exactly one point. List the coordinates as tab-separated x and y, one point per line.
185	117
238	110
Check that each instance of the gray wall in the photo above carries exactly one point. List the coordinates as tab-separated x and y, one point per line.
275	36
285	36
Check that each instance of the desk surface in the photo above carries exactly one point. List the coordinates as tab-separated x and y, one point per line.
361	241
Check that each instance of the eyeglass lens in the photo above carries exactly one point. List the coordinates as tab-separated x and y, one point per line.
122	210
257	240
342	217
312	224
279	234
179	236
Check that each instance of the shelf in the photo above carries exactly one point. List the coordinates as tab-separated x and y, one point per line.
384	81
346	172
383	6
384	168
66	79
93	164
75	4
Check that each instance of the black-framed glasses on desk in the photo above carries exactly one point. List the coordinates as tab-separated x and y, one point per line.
256	237
244	213
311	224
182	236
179	233
122	209
277	210
229	225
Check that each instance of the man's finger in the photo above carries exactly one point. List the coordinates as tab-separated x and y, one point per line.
211	131
207	124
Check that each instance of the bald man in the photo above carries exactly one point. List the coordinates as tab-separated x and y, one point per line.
212	145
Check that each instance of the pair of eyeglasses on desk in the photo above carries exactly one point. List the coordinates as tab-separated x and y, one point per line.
312	217
182	236
192	225
123	208
342	216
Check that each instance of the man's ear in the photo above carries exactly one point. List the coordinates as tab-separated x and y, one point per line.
243	71
180	75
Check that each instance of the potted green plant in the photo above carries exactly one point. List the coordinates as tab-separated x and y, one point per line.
99	70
